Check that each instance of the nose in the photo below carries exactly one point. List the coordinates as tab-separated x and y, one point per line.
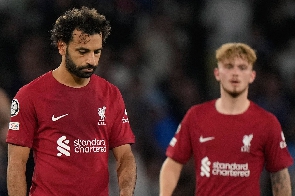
92	59
235	70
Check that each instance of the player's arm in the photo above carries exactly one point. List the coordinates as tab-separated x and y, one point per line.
126	169
281	183
169	176
16	170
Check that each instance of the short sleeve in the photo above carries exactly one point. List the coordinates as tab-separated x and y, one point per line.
180	148
23	121
121	132
276	153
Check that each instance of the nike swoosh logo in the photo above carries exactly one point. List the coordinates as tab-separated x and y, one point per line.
58	117
205	139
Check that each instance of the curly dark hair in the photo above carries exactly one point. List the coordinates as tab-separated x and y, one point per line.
85	19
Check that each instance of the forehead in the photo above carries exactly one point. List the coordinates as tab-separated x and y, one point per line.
237	60
83	39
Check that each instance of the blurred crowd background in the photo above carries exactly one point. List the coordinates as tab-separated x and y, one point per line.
161	56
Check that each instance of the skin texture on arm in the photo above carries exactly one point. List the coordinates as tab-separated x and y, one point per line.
16	170
281	183
169	176
126	169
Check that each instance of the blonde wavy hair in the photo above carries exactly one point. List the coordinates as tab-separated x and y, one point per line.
231	50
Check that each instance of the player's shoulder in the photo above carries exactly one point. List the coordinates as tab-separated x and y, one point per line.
208	105
203	108
261	115
36	84
260	112
103	84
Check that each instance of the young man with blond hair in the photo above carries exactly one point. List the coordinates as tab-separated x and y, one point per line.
231	139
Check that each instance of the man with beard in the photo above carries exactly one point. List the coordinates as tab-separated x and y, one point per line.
231	139
71	119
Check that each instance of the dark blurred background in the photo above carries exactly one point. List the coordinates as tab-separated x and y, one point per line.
161	56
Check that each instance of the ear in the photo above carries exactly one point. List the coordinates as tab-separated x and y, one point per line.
61	47
253	76
216	74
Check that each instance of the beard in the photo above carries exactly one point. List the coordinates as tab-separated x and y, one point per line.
78	70
234	93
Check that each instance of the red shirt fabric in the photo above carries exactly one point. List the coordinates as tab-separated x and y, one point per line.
70	131
229	151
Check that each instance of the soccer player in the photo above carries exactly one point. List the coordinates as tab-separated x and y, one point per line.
71	119
231	138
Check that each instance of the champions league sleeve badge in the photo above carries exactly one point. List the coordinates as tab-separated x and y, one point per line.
14	107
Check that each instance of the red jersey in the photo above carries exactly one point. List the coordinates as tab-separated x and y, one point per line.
229	151
70	131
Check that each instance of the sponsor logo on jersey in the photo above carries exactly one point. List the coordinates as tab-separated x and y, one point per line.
14	126
283	143
14	108
80	146
223	169
63	147
102	114
89	146
205	167
53	118
205	139
125	117
247	143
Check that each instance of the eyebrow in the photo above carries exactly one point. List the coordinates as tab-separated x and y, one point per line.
83	48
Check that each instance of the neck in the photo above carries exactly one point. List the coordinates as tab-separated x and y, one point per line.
232	106
63	76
